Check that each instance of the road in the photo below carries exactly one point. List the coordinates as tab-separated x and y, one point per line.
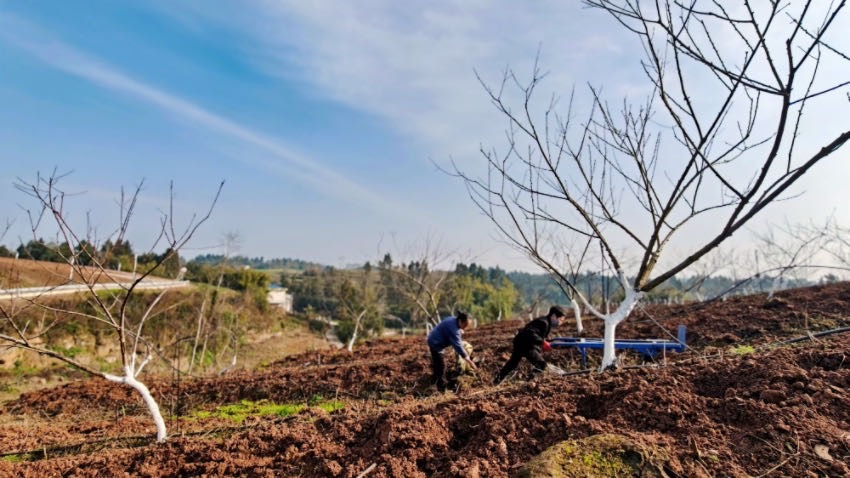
30	292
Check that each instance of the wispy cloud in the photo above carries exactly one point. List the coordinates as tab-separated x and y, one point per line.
293	165
413	63
410	63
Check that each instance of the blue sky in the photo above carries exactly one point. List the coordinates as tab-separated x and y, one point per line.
324	118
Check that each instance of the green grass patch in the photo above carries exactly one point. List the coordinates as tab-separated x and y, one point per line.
21	370
107	366
69	352
743	350
331	406
238	412
17	458
7	388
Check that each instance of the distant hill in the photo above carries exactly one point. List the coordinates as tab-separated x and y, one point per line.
17	273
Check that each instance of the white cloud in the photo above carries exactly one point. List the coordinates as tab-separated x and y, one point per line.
413	63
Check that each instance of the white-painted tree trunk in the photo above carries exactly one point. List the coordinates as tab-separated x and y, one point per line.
609	354
153	407
353	338
774	286
577	312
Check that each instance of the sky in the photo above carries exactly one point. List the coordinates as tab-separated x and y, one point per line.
328	121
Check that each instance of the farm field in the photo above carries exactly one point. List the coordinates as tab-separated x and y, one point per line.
17	273
737	402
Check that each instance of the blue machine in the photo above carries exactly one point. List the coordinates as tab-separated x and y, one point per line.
650	348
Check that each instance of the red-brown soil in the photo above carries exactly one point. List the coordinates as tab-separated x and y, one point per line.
736	403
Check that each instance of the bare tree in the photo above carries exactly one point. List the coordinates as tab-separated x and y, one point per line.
572	265
422	280
710	265
838	244
112	307
781	251
360	304
231	243
5	228
726	130
353	338
789	250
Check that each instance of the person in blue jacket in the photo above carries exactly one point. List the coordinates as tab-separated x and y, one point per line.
447	333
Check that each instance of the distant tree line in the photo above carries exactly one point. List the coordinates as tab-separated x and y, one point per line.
485	292
242	279
403	296
488	293
256	262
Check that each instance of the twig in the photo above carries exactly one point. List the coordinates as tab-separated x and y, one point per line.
781	453
367	470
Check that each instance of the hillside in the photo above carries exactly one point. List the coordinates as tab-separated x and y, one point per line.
738	402
261	333
17	273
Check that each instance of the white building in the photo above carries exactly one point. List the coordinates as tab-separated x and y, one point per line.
281	298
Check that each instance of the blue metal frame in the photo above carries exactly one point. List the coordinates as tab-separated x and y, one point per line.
648	347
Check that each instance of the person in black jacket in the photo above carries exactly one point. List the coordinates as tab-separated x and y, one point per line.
529	343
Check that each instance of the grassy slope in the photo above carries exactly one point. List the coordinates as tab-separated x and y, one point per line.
22	371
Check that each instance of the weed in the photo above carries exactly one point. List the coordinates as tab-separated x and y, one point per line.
6	387
105	365
238	412
743	350
69	352
17	458
21	370
331	406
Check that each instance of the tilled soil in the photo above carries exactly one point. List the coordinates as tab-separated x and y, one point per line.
738	402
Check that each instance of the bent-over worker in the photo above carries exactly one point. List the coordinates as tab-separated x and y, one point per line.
447	333
530	342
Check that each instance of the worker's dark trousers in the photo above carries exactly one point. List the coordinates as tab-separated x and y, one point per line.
438	369
523	347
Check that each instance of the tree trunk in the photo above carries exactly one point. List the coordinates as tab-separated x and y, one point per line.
357	321
143	390
609	354
577	311
197	334
353	338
